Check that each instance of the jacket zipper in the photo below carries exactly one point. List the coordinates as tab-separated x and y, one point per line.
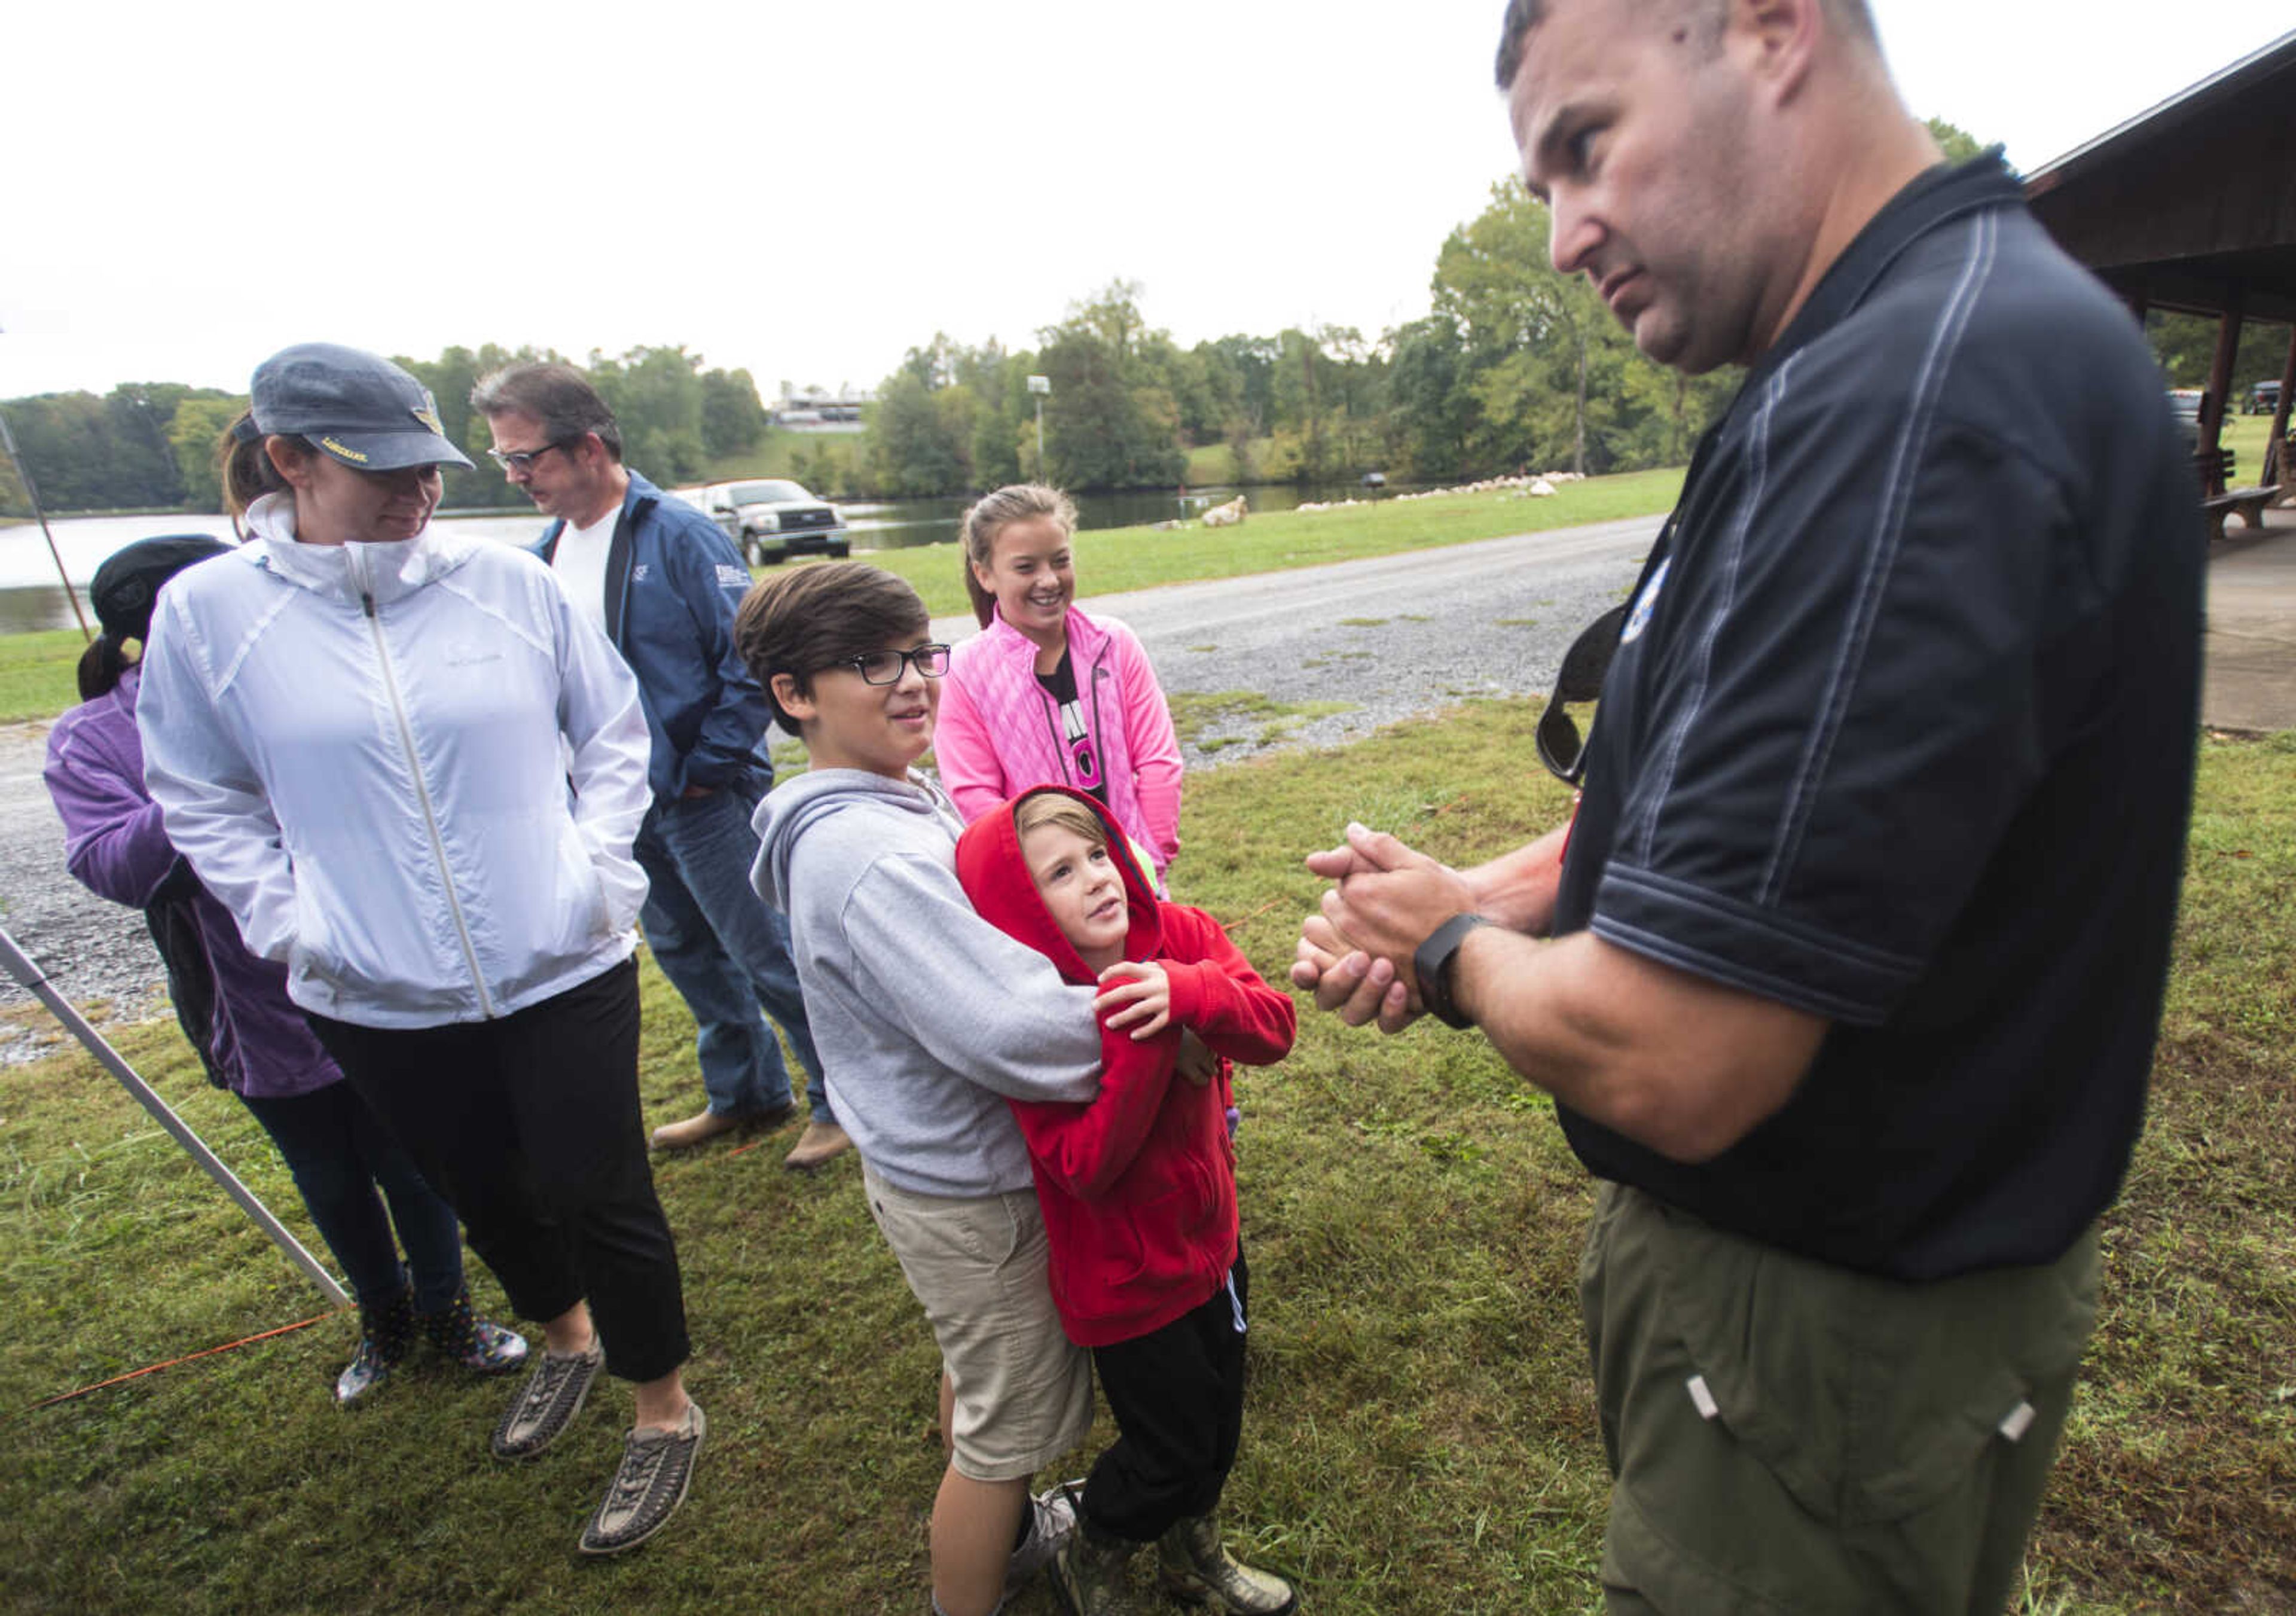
422	792
1063	749
1062	758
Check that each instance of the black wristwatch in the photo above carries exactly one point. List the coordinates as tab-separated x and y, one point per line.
1431	963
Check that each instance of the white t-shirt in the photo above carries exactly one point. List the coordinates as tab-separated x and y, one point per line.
580	563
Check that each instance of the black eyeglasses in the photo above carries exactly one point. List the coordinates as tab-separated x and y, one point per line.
1560	747
519	460
884	667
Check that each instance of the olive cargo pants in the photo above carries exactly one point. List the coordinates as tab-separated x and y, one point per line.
1787	1436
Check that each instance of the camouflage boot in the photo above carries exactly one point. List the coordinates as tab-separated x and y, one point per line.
1088	1573
1194	1568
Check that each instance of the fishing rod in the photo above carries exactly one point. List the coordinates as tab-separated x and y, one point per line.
24	476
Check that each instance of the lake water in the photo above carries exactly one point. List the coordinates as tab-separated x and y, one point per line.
30	598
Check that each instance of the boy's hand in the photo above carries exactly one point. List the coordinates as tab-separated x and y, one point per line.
1139	995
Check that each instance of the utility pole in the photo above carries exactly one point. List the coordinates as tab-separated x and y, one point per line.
1040	386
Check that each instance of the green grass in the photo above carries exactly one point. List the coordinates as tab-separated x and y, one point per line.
1197	717
1210	465
1117	559
2246	437
1420	1435
36	673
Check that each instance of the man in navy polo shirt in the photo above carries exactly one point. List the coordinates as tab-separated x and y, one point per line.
1846	981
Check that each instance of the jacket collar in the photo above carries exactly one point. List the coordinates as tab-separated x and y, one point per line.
1934	197
381	572
638	497
1084	636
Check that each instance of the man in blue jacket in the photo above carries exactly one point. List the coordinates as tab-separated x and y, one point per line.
663	582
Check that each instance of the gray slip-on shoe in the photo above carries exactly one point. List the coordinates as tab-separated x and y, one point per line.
548	1403
656	1469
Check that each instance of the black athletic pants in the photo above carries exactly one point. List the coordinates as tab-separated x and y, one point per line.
529	1127
1177	1396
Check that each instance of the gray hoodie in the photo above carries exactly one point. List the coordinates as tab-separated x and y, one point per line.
925	1014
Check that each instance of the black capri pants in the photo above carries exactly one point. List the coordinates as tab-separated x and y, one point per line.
529	1126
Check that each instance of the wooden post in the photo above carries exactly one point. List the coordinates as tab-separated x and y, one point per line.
2277	469
2212	404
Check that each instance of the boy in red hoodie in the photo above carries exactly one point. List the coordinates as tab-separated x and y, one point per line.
1138	1190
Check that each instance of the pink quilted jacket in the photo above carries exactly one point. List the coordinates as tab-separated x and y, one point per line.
1000	734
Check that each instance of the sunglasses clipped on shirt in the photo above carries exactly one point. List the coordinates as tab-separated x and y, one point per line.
1560	747
884	667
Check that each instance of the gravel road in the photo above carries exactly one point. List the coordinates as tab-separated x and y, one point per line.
1389	637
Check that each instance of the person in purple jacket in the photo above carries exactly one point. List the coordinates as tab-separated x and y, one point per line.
234	1008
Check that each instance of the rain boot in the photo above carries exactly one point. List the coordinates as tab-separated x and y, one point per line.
471	1341
1194	1567
386	1335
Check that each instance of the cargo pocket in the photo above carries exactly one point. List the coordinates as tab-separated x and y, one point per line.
1868	1399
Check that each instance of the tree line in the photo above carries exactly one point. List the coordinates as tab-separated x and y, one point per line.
1515	366
157	443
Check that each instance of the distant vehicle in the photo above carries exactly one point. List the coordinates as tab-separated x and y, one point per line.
2263	399
2185	405
772	518
1374	480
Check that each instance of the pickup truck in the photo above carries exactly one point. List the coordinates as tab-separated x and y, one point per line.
771	519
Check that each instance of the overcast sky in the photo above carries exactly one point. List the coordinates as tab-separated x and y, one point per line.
806	191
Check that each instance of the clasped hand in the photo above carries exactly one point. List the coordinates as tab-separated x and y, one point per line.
1355	954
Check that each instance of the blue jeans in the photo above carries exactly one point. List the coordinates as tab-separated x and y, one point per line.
725	951
338	1151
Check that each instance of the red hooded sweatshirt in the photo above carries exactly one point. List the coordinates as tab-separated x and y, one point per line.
1138	1187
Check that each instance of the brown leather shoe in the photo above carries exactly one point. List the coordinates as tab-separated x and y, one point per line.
709	1124
821	1141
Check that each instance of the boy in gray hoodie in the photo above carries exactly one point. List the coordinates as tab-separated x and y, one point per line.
928	1018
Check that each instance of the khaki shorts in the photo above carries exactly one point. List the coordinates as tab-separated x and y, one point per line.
1023	1391
1787	1436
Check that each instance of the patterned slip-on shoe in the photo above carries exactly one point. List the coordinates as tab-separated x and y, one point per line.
548	1402
656	1469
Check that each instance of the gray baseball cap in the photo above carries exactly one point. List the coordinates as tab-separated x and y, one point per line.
361	409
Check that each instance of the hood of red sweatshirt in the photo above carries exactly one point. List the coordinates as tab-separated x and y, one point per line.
995	877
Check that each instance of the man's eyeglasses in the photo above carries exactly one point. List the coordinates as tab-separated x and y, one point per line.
1560	747
884	667
521	460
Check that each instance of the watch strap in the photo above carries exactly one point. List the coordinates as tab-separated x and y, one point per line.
1432	964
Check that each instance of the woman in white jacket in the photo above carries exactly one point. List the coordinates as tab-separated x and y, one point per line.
412	774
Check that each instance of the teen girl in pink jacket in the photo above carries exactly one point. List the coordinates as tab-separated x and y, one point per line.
1002	730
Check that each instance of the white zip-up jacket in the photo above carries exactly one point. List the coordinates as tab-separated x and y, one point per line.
358	748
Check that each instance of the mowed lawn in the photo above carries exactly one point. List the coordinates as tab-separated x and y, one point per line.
1420	1435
